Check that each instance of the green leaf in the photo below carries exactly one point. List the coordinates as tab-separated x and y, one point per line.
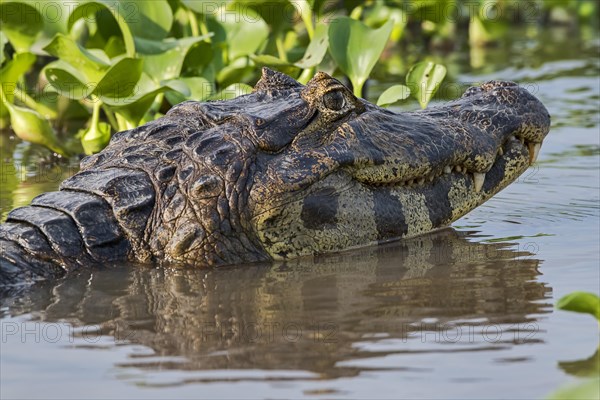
12	71
112	87
147	19
197	59
133	108
239	70
203	6
588	389
68	51
245	32
120	81
266	60
32	127
356	48
3	41
192	88
114	46
233	91
393	94
316	48
164	60
21	23
424	80
10	74
89	9
305	9
382	13
67	80
582	302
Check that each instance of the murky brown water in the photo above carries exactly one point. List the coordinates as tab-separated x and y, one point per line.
462	313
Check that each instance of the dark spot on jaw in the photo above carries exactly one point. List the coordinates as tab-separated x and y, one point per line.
437	202
389	216
319	209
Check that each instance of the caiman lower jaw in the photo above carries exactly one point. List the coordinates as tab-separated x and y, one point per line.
477	178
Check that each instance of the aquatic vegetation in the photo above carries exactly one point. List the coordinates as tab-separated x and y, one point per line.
581	302
118	64
587	303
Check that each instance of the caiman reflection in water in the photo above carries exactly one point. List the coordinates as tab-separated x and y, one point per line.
303	314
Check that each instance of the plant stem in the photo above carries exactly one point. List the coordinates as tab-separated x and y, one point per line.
193	23
111	117
96	113
306	75
357	88
123	123
204	31
281	48
306	15
3	96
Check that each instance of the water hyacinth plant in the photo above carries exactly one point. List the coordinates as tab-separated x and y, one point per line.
589	388
122	63
116	64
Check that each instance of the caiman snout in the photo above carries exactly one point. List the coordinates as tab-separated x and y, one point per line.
516	110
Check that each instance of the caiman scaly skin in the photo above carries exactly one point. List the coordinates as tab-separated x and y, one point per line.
286	171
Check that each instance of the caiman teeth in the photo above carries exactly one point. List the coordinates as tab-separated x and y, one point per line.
534	151
447	169
478	179
501	151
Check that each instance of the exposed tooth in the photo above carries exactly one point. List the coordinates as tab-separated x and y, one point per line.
522	139
458	168
431	178
410	183
447	169
534	150
421	181
478	179
501	151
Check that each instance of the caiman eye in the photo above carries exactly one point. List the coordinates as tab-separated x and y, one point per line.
334	100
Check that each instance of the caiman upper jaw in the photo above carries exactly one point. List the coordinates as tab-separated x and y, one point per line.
466	136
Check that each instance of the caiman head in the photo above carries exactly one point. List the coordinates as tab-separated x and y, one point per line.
292	170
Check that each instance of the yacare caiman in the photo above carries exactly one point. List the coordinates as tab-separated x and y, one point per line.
286	171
